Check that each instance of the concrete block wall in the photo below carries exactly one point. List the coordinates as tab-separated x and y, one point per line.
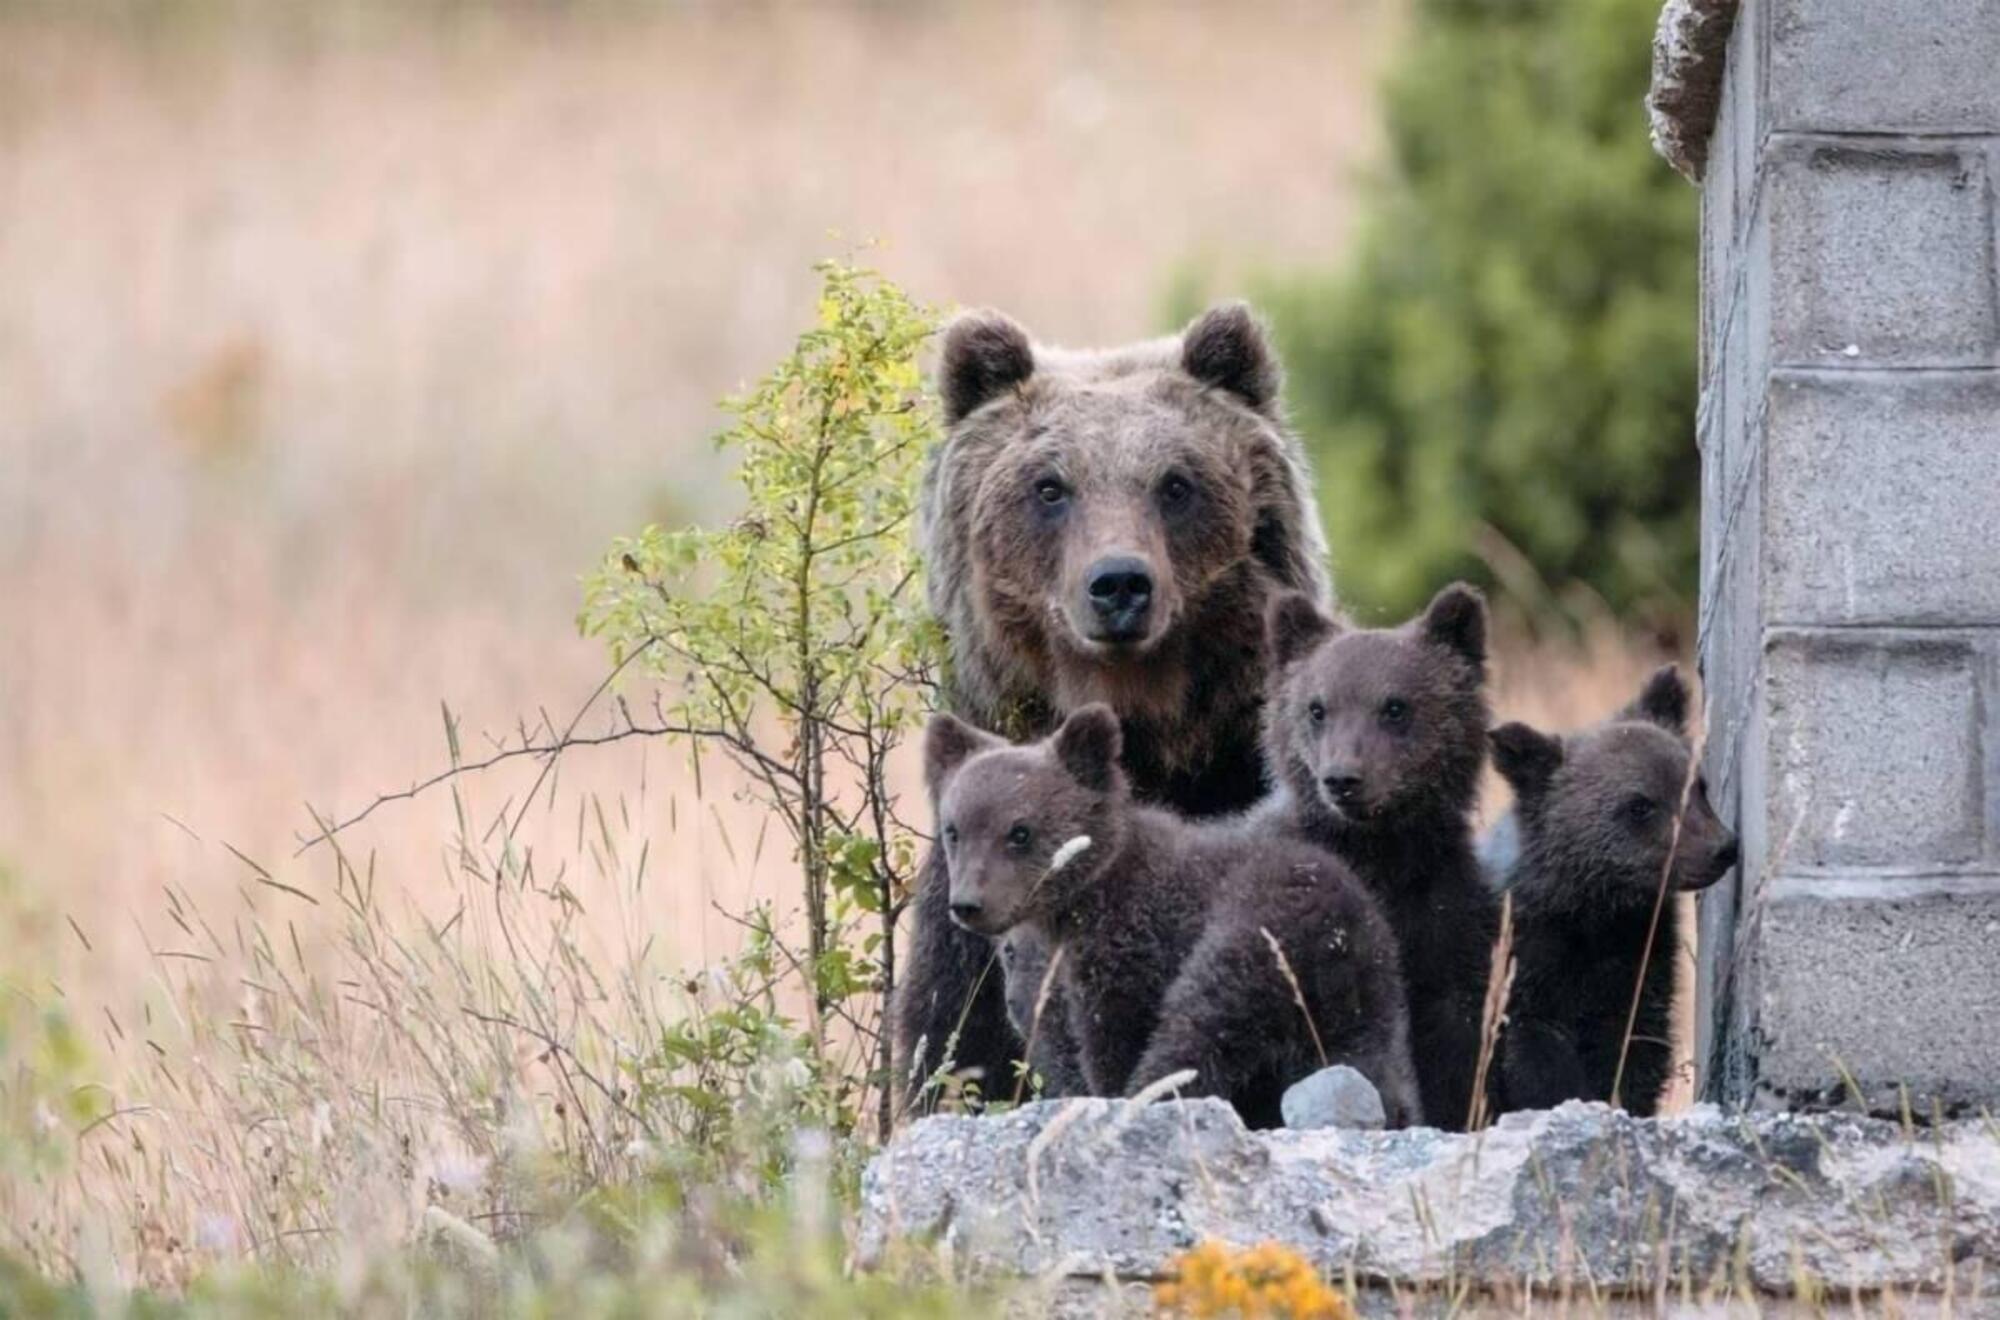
1849	627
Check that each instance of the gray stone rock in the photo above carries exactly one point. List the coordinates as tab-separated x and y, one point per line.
1334	1097
1704	1205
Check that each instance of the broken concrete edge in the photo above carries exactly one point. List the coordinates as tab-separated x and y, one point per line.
1704	1203
1690	49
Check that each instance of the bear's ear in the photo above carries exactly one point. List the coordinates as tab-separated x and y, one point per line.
1225	348
1293	625
1088	745
1456	619
948	743
1663	701
984	354
1526	759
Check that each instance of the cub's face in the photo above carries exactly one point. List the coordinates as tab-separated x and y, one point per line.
1606	804
1022	828
1370	727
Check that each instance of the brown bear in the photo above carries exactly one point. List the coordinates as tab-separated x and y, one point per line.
1181	945
1377	737
1606	817
1102	526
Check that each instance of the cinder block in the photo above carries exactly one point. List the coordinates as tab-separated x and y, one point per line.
1730	624
1892	984
1882	498
1881	253
1872	750
1744	385
1891	66
1744	113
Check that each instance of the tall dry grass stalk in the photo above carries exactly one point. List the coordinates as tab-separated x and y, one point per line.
1298	993
1493	1014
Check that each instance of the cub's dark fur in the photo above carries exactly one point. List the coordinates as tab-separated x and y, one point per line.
1168	932
1376	737
1035	1008
1598	838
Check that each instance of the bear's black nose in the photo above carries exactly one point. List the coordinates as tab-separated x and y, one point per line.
1121	592
1727	857
1342	787
965	912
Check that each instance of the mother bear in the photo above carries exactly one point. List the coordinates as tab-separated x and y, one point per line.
1101	526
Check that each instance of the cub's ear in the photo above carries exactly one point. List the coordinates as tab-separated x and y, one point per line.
1293	625
1225	348
985	354
948	742
1526	759
1663	701
1088	745
1456	619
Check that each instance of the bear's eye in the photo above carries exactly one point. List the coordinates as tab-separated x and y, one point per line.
1638	810
1395	712
1316	711
1050	491
950	836
1019	838
1175	490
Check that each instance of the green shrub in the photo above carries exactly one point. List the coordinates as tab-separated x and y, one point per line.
795	640
1506	360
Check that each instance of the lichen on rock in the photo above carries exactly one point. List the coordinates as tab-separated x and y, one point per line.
1690	47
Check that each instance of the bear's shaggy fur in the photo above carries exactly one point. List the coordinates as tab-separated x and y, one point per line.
1168	932
1607	818
1376	738
1168	459
1035	1009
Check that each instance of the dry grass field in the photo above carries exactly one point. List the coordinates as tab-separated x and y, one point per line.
333	349
330	354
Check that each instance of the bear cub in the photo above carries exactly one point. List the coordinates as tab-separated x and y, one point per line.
1606	817
1168	932
1376	738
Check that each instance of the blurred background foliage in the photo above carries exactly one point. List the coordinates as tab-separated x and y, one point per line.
1498	379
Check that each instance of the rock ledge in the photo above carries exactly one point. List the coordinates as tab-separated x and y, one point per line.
1704	1204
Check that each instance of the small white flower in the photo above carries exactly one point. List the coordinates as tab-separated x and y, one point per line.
1068	853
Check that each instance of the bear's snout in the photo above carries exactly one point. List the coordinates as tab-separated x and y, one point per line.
1721	860
1118	595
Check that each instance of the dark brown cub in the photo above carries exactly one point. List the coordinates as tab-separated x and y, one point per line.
1610	824
1377	737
